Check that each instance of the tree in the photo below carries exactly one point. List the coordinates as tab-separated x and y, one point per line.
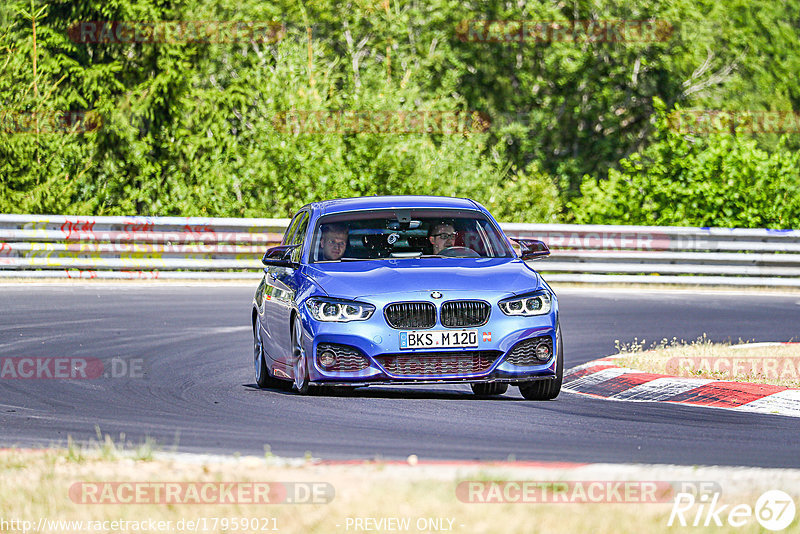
684	180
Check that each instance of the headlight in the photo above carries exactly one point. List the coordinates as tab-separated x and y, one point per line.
338	311
539	303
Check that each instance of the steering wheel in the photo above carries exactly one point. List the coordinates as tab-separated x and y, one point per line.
459	252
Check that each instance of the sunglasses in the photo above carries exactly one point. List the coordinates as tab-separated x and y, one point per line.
445	236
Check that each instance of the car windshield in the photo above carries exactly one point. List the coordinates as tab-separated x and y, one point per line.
407	234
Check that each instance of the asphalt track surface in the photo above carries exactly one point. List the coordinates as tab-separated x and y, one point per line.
198	392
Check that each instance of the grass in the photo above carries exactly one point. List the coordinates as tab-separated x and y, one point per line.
36	484
773	364
107	449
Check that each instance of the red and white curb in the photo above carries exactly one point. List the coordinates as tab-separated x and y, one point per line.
603	378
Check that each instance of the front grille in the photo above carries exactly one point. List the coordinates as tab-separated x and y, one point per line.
524	352
463	313
410	315
347	358
432	364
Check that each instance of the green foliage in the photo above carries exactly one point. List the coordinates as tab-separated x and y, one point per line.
191	128
722	180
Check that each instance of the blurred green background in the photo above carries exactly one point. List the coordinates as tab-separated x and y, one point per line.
579	130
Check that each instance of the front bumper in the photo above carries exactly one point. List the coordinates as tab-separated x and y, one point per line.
374	355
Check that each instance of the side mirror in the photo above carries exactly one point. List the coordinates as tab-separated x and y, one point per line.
280	256
532	249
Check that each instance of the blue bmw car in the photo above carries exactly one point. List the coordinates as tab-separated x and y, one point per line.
404	290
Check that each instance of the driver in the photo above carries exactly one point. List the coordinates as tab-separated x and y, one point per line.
334	241
442	235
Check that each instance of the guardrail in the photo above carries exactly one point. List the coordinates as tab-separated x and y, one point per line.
666	254
53	246
57	246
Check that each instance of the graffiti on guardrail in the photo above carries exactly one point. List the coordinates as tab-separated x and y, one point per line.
199	229
131	275
141	275
127	250
77	228
80	274
137	247
138	227
206	241
82	255
35	225
5	251
112	248
185	250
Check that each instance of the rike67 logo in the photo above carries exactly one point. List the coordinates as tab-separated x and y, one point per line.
774	510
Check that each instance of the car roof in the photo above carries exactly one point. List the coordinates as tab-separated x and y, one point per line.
392	202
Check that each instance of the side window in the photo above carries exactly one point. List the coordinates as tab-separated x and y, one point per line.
299	235
292	227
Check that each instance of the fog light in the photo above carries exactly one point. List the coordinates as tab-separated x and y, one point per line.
543	351
327	358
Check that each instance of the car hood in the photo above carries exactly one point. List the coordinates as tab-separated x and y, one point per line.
361	278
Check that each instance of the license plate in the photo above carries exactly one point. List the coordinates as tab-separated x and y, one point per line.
426	339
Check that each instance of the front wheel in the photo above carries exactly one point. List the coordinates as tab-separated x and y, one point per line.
300	359
263	379
262	376
547	389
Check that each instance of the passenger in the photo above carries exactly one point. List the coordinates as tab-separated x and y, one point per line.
334	241
442	235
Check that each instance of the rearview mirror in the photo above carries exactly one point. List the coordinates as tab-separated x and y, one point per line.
280	256
532	249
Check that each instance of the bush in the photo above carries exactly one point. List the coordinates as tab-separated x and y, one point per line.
680	180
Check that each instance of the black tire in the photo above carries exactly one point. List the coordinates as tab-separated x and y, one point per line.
263	378
547	389
487	390
300	359
500	388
